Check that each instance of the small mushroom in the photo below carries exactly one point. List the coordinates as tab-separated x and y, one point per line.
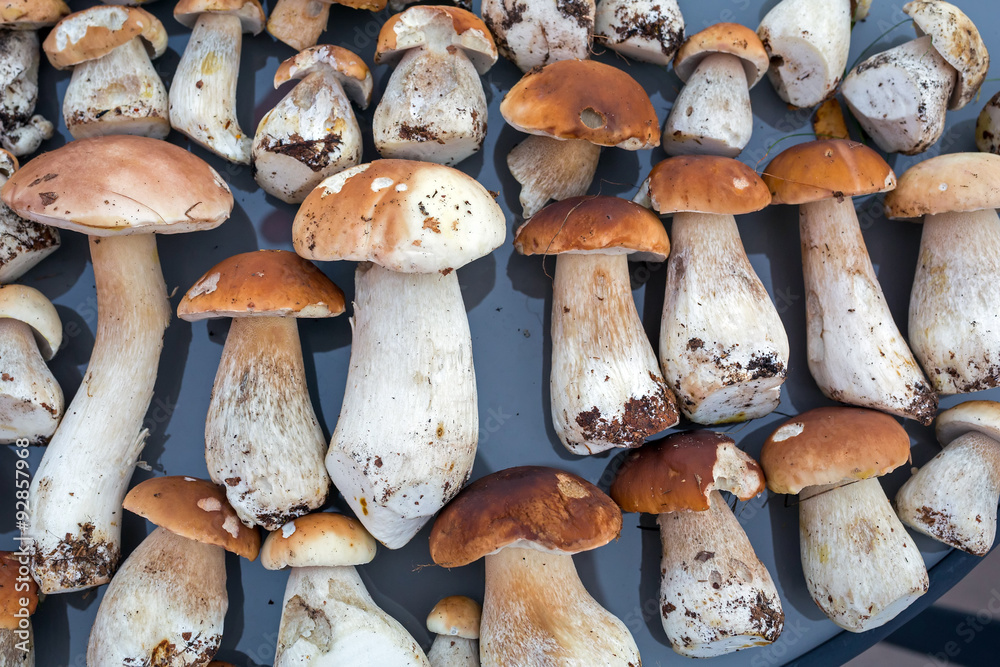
312	133
114	89
537	33
18	600
23	243
647	30
299	23
455	622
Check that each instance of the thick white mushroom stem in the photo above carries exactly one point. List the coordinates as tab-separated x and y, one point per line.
298	23
716	596
329	618
119	93
166	606
448	651
18	652
537	612
723	347
31	401
856	353
606	386
953	498
712	114
861	566
21	132
262	439
549	168
954	320
203	92
406	439
76	494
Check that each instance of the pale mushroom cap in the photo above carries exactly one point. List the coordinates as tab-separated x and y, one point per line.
950	183
12	591
980	416
28	305
731	38
323	539
249	12
826	169
97	31
347	66
8	165
440	27
455	616
31	14
703	184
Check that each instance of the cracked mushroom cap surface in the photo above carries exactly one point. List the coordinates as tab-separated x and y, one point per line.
12	590
530	507
833	446
321	539
28	305
196	509
583	99
703	184
456	616
120	184
444	28
979	416
730	38
346	66
826	169
31	14
249	12
952	183
97	31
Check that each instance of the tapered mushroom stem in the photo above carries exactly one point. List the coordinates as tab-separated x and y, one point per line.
856	353
76	494
537	612
165	606
607	390
406	438
716	596
712	114
447	651
861	566
298	23
549	168
31	400
15	651
262	439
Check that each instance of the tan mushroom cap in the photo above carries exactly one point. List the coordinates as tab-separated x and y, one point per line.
979	416
583	99
264	283
196	509
17	591
28	305
31	14
97	31
826	169
950	183
589	224
732	38
456	616
703	184
322	539
957	39
120	184
346	66
249	12
528	507
833	446
444	27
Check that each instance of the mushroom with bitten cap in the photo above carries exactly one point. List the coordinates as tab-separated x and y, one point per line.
299	23
23	243
538	33
455	622
646	30
18	600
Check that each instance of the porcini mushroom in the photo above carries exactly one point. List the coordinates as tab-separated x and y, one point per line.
606	387
23	243
716	596
647	30
712	113
856	353
537	33
988	126
434	107
262	439
18	600
861	566
119	190
455	620
723	347
327	616
527	523
203	91
312	133
167	603
299	23
571	108
953	497
114	89
410	224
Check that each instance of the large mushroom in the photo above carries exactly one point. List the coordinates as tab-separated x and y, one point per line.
537	33
23	243
646	30
18	600
527	523
299	23
120	190
262	439
455	621
406	438
861	566
606	387
856	353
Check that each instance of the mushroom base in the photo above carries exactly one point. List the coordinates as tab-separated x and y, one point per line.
552	169
449	651
299	23
23	243
16	651
31	401
646	30
21	133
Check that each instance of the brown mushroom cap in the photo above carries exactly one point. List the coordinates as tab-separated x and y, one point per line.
947	183
444	27
589	224
97	31
17	591
731	38
321	539
530	507
263	283
583	99
196	509
703	184
347	66
826	169
31	14
833	446
456	616
957	39
249	12
979	416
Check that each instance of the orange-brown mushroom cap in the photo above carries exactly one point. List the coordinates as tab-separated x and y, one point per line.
345	65
419	26
703	184
18	590
456	616
249	12
826	169
66	46
952	183
730	38
31	14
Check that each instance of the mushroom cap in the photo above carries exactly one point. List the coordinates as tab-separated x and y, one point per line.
97	31
31	14
455	616
346	66
527	507
731	38
321	539
950	183
703	184
957	39
10	596
249	12
120	184
826	169
583	99
196	509
679	473
263	283
444	28
412	217
8	165
589	224
28	305
833	446
980	416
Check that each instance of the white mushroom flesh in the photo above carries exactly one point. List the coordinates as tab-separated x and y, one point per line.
552	169
536	33
16	651
298	23
21	132
647	30
23	244
31	401
449	651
